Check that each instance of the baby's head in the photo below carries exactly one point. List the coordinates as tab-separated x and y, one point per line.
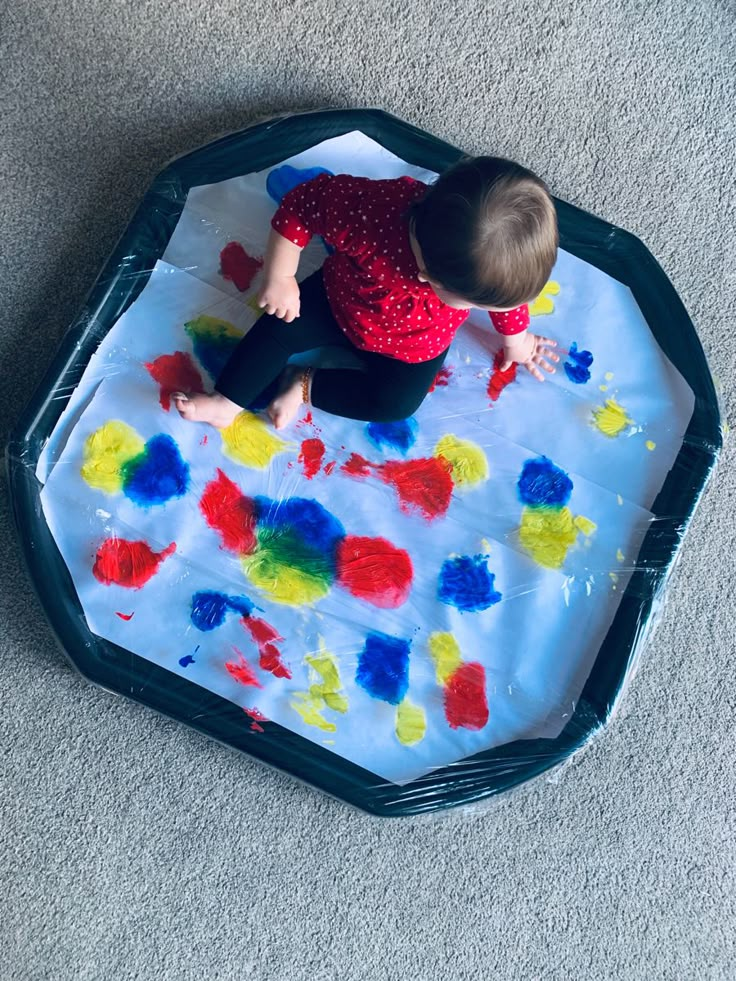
487	234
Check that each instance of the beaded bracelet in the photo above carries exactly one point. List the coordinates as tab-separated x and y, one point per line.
306	375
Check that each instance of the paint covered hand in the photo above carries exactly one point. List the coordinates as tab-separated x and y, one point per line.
531	350
280	296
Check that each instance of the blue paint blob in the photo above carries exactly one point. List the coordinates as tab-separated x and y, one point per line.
213	353
283	179
577	368
186	660
158	474
209	608
399	435
542	483
466	584
317	528
383	667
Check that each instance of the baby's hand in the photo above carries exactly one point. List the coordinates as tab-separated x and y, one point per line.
280	296
532	351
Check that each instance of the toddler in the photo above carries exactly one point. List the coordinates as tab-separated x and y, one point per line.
410	261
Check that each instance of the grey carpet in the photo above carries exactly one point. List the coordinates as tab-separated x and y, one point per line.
134	848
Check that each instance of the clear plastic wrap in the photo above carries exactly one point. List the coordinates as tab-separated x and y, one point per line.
409	617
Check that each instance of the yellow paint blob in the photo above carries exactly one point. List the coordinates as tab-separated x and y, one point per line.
411	723
283	583
613	577
468	461
322	694
620	555
608	376
329	687
446	655
310	710
249	441
585	525
603	388
106	451
611	419
650	445
547	534
543	304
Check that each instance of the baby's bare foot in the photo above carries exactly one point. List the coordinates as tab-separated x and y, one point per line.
214	409
287	403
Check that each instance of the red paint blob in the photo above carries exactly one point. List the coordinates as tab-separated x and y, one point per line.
423	485
125	616
174	373
442	379
311	456
237	266
329	467
228	511
257	717
242	671
465	697
129	564
357	466
374	570
269	655
500	379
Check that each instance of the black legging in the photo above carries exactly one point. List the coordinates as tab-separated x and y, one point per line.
381	390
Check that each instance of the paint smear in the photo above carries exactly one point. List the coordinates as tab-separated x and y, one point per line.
383	667
411	723
577	368
441	379
650	445
585	525
311	455
463	682
156	475
543	303
265	637
214	340
249	441
611	419
424	486
374	570
256	717
400	435
466	584
500	379
468	461
209	608
229	512
174	373
105	452
125	616
325	691
445	653
310	710
127	563
186	660
547	534
241	671
237	266
285	178
543	483
466	705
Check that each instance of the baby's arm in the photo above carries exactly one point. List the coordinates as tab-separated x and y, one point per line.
279	293
520	346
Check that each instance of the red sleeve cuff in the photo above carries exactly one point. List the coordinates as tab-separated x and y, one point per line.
511	321
291	227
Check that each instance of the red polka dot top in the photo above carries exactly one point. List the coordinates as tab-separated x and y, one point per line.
371	279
